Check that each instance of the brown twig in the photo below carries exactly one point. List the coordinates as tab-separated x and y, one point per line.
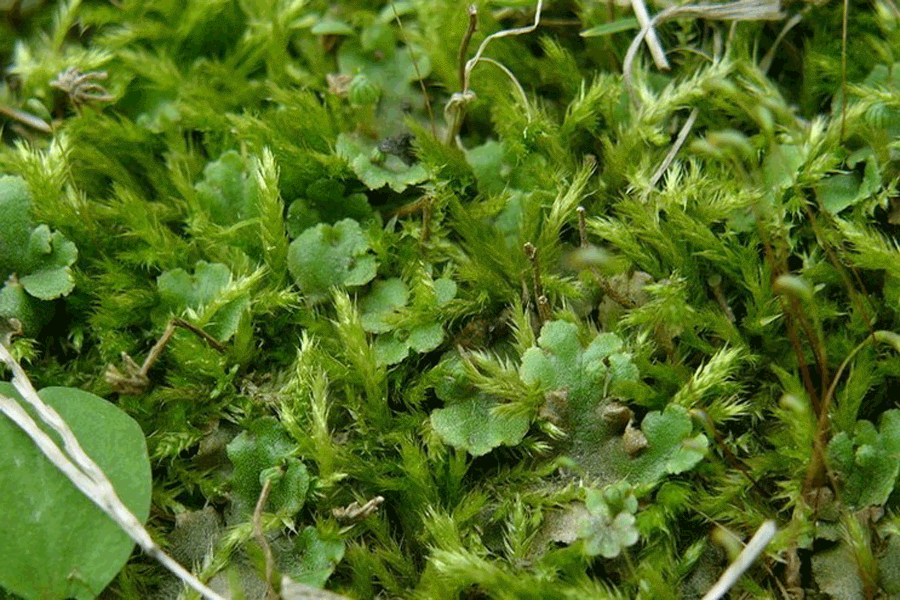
261	537
543	305
134	380
844	68
582	227
715	282
160	344
602	282
25	118
472	11
418	74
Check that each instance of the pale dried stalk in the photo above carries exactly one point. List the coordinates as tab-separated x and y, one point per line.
741	10
499	34
754	548
82	471
656	49
455	109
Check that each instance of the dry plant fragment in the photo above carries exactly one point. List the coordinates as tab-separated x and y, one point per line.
261	537
9	328
754	548
293	590
455	109
132	379
634	441
25	118
81	87
354	512
543	305
339	84
741	10
617	416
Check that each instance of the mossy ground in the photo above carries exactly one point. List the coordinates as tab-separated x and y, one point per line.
576	350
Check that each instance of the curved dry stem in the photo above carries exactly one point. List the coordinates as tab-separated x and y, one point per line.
506	32
754	548
515	81
741	10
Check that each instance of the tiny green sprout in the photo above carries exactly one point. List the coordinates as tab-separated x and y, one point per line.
611	527
796	287
363	91
272	475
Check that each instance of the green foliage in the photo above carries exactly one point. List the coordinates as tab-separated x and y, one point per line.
226	193
868	460
610	528
710	309
39	260
402	328
325	200
60	545
50	256
388	171
313	557
210	288
474	426
587	374
324	256
262	447
670	447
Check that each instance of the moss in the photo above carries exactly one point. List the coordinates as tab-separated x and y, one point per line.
713	249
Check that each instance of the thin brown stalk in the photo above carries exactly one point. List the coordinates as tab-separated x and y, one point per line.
418	74
261	536
472	11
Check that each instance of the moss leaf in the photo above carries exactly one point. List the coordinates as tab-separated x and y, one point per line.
868	460
330	255
264	445
473	426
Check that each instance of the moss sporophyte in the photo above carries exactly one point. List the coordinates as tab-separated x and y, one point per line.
316	299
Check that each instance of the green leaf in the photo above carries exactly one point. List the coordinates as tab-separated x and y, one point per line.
838	192
326	200
426	338
473	426
560	362
670	448
487	164
49	256
227	192
611	526
836	572
56	543
392	172
179	290
16	303
264	445
331	27
612	27
868	460
383	302
780	167
313	559
325	256
15	225
389	349
393	69
444	290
